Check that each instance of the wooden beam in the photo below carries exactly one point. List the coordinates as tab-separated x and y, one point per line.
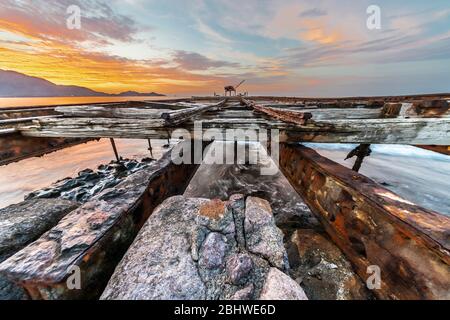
94	111
373	226
171	114
8	131
284	115
180	116
419	109
394	131
373	131
143	110
26	119
335	113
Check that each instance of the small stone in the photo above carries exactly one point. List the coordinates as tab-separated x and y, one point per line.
238	267
213	250
245	293
279	286
85	172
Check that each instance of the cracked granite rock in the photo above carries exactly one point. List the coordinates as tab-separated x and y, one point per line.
23	223
322	269
262	237
195	248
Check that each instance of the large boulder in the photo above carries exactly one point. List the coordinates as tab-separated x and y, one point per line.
195	248
322	269
23	223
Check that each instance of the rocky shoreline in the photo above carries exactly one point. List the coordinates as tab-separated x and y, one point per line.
89	183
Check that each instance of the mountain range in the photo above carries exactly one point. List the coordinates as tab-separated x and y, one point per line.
15	84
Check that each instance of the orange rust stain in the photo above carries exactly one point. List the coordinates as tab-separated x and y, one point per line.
264	204
339	224
213	209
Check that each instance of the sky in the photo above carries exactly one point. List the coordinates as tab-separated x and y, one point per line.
176	47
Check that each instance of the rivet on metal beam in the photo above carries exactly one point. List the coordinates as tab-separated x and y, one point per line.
113	144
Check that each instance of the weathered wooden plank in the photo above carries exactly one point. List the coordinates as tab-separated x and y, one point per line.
372	131
26	119
95	236
172	114
179	116
423	131
284	115
7	131
337	113
112	112
420	109
374	227
139	110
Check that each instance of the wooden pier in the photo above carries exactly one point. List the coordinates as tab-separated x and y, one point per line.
370	224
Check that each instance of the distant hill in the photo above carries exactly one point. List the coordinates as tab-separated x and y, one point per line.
15	84
139	94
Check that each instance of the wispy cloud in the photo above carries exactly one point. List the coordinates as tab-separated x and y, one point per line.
179	46
315	12
196	61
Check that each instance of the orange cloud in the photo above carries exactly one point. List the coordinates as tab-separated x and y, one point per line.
317	31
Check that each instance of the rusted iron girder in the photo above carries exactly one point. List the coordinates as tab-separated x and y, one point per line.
438	149
290	116
373	226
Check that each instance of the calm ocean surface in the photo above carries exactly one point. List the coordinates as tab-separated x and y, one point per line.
25	102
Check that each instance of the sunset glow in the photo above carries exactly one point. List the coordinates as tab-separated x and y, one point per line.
287	47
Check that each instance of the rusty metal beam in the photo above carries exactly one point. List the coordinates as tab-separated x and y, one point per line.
374	226
439	149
